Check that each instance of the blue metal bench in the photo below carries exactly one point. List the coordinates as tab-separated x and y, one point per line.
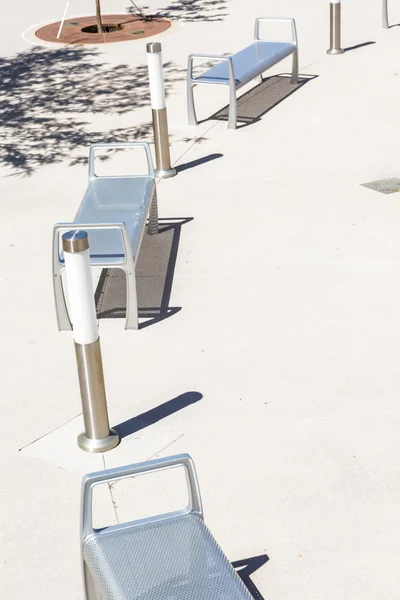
238	69
171	556
114	212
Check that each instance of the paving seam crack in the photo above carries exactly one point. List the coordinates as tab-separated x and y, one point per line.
48	433
114	502
167	446
195	142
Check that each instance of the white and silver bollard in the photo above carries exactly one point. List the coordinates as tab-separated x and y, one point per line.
385	17
159	111
97	436
335	26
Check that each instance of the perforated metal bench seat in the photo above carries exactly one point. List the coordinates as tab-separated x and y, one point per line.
114	212
165	557
174	559
115	200
249	63
238	69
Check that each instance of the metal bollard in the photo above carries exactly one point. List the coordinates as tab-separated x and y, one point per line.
385	17
335	26
159	111
97	436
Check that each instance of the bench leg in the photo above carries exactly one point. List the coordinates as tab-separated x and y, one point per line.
232	108
131	320
385	17
63	320
64	324
152	226
89	586
190	104
295	68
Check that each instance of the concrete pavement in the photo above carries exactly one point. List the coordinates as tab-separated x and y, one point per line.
287	279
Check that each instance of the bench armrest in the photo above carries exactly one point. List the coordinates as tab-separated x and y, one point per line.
144	145
215	57
109	475
61	228
276	20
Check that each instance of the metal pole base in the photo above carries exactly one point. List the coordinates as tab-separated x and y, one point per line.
163	168
165	174
335	46
102	445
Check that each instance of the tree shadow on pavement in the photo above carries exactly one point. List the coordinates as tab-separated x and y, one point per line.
48	99
188	10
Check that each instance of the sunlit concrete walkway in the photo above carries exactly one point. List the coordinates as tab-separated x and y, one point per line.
280	372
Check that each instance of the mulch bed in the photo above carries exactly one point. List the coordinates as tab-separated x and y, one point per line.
127	27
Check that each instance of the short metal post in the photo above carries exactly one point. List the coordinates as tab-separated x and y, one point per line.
159	111
97	436
385	17
335	26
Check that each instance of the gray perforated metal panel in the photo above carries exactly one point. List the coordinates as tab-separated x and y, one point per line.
174	559
115	200
249	62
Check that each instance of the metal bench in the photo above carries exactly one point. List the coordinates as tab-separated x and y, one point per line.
171	556
238	69
114	211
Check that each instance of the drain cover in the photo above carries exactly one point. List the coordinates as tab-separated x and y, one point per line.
385	186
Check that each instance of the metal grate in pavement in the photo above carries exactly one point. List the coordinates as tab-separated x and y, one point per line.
385	186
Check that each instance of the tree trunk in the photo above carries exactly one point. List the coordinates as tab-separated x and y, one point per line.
98	17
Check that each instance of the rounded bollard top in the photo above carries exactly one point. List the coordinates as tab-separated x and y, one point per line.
153	47
75	241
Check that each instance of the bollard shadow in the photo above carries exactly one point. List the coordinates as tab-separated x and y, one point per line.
262	98
156	414
154	278
247	567
197	162
350	48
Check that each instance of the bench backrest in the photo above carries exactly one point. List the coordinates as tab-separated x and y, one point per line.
160	464
95	147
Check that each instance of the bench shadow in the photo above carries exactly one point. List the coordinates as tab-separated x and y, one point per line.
350	48
154	278
154	415
247	567
255	103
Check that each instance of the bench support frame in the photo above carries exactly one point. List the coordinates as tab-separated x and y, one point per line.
112	475
231	83
127	263
385	16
